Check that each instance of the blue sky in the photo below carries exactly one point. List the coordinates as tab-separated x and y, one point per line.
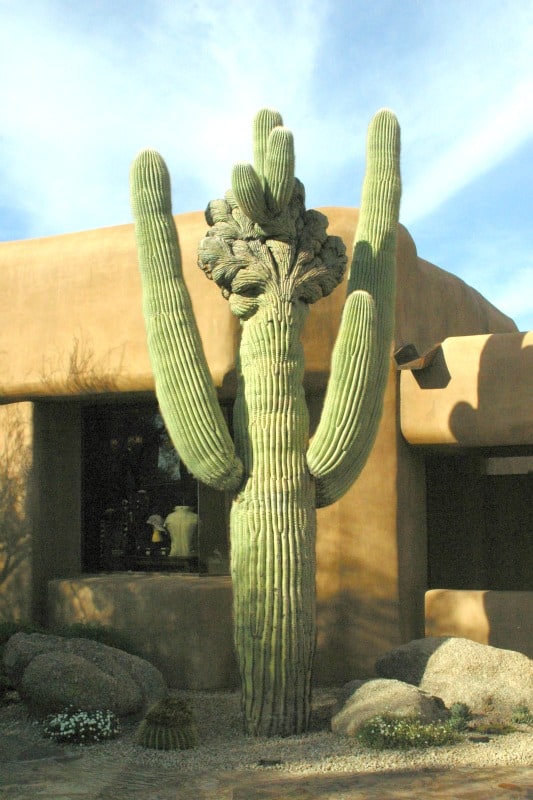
85	84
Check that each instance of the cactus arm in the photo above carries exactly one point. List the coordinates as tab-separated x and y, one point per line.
248	192
184	388
264	122
343	441
333	457
279	170
263	191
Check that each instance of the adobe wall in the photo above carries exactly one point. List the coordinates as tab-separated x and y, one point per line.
16	439
371	546
465	397
501	619
73	328
181	623
72	321
55	498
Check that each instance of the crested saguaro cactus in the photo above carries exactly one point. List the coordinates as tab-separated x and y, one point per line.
272	259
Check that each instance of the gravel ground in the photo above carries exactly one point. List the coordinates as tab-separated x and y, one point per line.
223	747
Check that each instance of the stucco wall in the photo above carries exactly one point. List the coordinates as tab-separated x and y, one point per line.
16	439
181	623
477	393
55	490
73	328
501	619
72	320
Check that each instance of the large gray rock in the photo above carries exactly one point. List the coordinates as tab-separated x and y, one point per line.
52	672
383	696
489	679
344	694
409	661
53	681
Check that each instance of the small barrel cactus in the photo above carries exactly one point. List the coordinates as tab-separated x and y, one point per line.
168	725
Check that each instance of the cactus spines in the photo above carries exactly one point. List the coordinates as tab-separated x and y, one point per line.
334	457
338	452
265	121
272	258
168	725
186	396
249	192
279	169
263	191
374	250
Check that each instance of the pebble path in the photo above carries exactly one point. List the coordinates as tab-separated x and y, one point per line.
63	778
231	768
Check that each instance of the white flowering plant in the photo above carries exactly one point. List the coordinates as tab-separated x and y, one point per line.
387	731
75	726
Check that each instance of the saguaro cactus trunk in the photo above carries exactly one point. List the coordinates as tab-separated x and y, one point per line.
273	524
272	259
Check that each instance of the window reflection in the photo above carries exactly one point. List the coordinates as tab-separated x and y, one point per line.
136	493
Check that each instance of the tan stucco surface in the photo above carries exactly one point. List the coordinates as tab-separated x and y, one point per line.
477	393
16	463
72	314
181	623
73	327
358	608
501	619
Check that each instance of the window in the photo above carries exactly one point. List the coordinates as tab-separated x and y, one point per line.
480	517
141	507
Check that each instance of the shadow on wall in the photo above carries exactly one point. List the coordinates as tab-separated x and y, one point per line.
509	616
112	601
15	539
82	372
352	629
497	391
480	513
180	623
501	619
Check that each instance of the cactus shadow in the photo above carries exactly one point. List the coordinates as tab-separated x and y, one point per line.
353	632
500	370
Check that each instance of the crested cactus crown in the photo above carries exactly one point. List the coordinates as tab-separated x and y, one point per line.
262	238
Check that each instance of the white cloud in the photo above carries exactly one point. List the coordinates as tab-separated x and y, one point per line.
77	109
470	102
485	143
90	84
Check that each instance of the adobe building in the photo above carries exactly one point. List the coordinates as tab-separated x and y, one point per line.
434	537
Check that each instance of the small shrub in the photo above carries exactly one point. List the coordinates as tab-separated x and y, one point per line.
522	715
388	732
460	715
496	728
74	726
168	725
